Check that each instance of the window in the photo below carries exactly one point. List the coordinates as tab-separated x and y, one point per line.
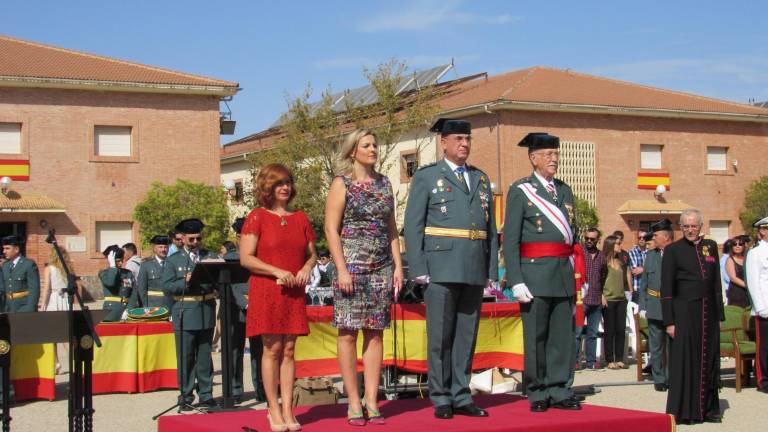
112	233
718	231
717	158
112	141
577	168
239	196
409	163
10	138
650	156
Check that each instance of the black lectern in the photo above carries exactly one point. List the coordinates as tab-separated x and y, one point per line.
221	275
21	328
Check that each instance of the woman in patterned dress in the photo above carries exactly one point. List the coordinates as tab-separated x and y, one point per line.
277	245
362	236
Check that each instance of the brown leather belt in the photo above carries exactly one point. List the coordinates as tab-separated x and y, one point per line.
197	298
470	234
17	294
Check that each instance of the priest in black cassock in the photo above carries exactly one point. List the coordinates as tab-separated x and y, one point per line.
692	306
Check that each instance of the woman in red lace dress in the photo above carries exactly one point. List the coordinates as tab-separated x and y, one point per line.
277	246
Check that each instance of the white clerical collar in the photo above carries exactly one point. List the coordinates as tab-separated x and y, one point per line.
543	180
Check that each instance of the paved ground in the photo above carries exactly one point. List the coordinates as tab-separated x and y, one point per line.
743	411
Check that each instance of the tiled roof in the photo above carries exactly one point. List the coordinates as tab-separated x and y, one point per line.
30	202
652	207
25	59
556	86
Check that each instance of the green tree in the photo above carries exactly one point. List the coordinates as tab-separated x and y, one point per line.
313	131
586	216
755	204
167	205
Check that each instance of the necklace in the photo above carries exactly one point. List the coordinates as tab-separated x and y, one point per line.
283	222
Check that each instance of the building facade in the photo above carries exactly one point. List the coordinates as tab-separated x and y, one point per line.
84	136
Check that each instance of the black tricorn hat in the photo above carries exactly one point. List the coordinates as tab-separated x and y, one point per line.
160	240
648	236
448	126
662	225
13	240
237	225
119	252
190	226
539	140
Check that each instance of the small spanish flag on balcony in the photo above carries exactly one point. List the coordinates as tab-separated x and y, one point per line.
652	180
15	169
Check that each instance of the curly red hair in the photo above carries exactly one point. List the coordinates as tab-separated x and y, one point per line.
267	180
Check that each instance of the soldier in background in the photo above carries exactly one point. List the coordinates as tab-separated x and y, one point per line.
149	289
21	277
116	282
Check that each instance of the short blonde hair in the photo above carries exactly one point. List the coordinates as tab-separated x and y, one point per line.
344	161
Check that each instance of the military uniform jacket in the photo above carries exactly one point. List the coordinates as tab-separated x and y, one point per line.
23	277
437	198
651	279
198	315
116	282
690	272
239	290
150	279
525	223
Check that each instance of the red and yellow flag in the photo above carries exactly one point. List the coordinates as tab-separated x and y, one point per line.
33	371
498	208
15	169
652	180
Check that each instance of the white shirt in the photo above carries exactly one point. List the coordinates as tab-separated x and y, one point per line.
544	181
756	268
453	167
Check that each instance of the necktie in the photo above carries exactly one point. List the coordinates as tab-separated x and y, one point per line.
460	175
552	191
193	257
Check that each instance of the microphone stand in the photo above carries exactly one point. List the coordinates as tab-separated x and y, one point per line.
80	405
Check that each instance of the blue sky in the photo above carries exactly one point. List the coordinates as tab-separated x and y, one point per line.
275	49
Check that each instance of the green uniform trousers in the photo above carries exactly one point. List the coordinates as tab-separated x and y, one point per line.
453	316
548	342
193	356
237	354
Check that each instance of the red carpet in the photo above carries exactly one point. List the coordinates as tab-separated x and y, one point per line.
507	413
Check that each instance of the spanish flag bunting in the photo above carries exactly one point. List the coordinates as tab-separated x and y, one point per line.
498	208
652	180
499	340
33	371
15	169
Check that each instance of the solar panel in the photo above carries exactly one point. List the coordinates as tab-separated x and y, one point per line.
367	95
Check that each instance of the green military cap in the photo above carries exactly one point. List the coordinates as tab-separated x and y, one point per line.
237	226
539	140
160	240
119	252
13	240
446	126
190	226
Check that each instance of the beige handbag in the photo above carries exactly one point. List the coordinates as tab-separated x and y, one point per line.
314	391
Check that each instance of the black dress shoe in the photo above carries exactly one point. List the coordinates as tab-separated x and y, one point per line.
208	404
579	398
539	406
567	404
713	418
470	410
763	390
444	412
660	387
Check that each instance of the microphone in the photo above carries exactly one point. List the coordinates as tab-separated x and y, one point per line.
51	238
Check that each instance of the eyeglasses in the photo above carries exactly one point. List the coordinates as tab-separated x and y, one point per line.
739	244
198	238
284	182
549	154
690	227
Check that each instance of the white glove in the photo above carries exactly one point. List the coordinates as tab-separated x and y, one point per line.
421	280
111	258
521	293
584	289
628	296
763	314
124	316
633	307
642	314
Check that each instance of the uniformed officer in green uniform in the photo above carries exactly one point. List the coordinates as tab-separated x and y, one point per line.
21	277
240	295
650	302
452	245
149	287
117	283
194	316
539	225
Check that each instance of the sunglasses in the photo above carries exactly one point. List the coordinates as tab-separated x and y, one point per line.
285	182
738	244
590	238
198	238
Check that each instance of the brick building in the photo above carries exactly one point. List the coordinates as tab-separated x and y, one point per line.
620	140
83	137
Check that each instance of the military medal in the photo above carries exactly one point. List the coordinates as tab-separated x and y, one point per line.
444	209
440	183
434	191
448	189
530	204
538	226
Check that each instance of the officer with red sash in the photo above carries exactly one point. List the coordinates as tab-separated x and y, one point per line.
538	249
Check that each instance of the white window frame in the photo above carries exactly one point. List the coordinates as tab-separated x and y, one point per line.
648	158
